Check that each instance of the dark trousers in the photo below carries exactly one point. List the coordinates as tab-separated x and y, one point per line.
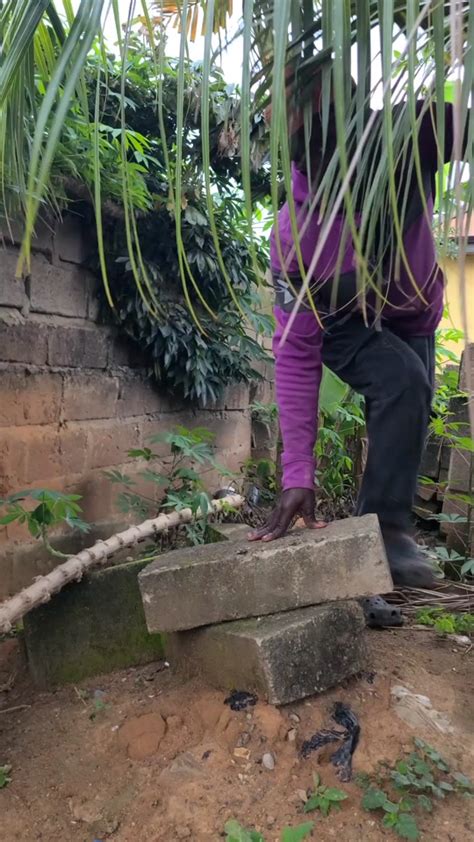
395	374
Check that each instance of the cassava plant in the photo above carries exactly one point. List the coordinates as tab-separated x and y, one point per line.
41	511
175	482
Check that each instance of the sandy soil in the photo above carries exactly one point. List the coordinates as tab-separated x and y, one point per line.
86	767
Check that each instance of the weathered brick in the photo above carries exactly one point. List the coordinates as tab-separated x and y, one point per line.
466	380
29	398
71	244
234	397
24	343
98	497
59	291
211	584
91	627
73	440
282	658
77	347
124	353
89	396
42	239
457	532
461	470
139	397
12	289
108	442
13	453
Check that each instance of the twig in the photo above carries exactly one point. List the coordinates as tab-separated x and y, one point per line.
74	568
81	698
12	710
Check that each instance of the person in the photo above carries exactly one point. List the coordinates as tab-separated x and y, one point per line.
389	358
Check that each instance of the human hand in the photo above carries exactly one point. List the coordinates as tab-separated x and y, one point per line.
293	502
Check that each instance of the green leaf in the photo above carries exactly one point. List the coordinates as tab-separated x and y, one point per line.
295	834
406	827
425	803
313	803
374	799
141	453
236	833
5	778
462	781
333	794
9	518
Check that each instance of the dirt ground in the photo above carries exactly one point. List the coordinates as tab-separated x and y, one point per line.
79	776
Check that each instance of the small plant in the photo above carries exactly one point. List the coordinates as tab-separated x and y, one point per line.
236	833
5	778
262	473
411	786
49	510
397	816
445	623
178	482
98	706
324	798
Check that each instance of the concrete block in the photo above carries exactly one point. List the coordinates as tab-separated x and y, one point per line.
108	442
90	627
282	658
466	379
198	586
77	347
430	461
139	396
461	470
70	242
457	532
24	343
124	353
58	291
12	289
29	398
89	396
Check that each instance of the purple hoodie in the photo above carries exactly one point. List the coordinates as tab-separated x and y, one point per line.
298	360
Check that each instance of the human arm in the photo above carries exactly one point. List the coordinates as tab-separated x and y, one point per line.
298	369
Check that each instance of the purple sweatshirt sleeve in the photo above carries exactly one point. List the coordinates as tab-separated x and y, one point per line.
298	370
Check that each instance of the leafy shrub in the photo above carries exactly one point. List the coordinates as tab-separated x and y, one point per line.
41	510
178	481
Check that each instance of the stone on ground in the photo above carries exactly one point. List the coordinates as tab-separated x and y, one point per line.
281	658
93	626
199	586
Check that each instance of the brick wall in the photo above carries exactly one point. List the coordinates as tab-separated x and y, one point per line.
74	395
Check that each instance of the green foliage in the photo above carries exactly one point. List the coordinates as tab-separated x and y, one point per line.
177	480
415	781
324	798
295	834
236	833
261	473
341	425
5	778
446	623
50	509
192	332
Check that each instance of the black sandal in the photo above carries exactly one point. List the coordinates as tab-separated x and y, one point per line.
379	614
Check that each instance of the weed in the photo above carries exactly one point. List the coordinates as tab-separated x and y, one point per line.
445	623
411	786
236	833
49	510
324	798
5	778
178	482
